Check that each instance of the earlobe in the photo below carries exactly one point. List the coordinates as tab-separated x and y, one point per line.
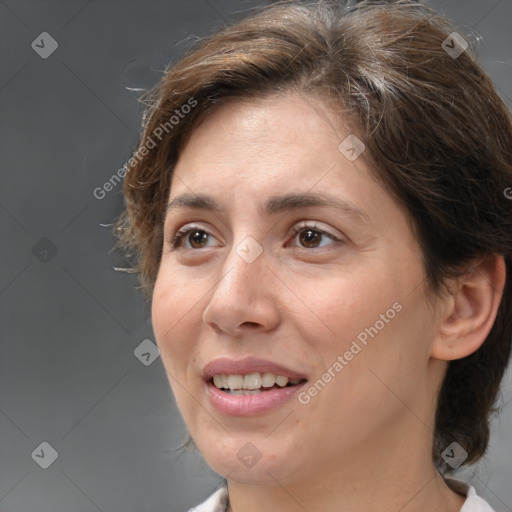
469	314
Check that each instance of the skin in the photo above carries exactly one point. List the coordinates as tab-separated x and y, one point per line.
364	441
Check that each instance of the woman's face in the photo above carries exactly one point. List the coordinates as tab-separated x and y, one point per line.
341	303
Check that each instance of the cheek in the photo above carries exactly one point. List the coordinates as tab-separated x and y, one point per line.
387	375
343	305
171	311
172	315
378	328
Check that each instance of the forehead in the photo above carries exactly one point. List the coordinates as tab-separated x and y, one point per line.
279	139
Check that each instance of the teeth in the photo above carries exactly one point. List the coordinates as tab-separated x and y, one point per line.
235	381
268	380
282	381
252	381
244	391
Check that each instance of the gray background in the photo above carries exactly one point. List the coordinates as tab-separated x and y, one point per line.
69	323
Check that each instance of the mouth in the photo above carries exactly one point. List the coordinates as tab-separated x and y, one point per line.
253	383
249	386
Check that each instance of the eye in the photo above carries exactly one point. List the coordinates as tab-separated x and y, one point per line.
196	236
199	236
311	235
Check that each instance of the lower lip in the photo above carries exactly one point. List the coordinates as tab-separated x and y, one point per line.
249	405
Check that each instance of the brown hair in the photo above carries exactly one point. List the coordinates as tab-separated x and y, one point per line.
438	137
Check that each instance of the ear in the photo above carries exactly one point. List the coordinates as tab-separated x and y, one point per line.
469	313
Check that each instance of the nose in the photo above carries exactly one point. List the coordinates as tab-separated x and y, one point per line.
244	296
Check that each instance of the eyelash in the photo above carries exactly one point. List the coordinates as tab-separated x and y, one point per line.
182	232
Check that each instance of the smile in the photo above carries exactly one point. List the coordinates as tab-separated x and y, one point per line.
245	387
250	402
252	383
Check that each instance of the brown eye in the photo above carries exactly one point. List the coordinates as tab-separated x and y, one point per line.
311	236
196	236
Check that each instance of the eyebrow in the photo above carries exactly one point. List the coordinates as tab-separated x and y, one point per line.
273	206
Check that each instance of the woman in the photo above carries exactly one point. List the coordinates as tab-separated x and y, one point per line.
317	214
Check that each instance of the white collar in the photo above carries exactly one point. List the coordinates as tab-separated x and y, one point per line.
218	501
473	503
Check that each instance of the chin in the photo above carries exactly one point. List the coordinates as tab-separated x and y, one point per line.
248	459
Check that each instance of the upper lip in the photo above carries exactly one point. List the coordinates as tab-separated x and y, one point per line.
226	366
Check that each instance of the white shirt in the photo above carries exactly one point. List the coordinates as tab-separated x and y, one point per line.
218	501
